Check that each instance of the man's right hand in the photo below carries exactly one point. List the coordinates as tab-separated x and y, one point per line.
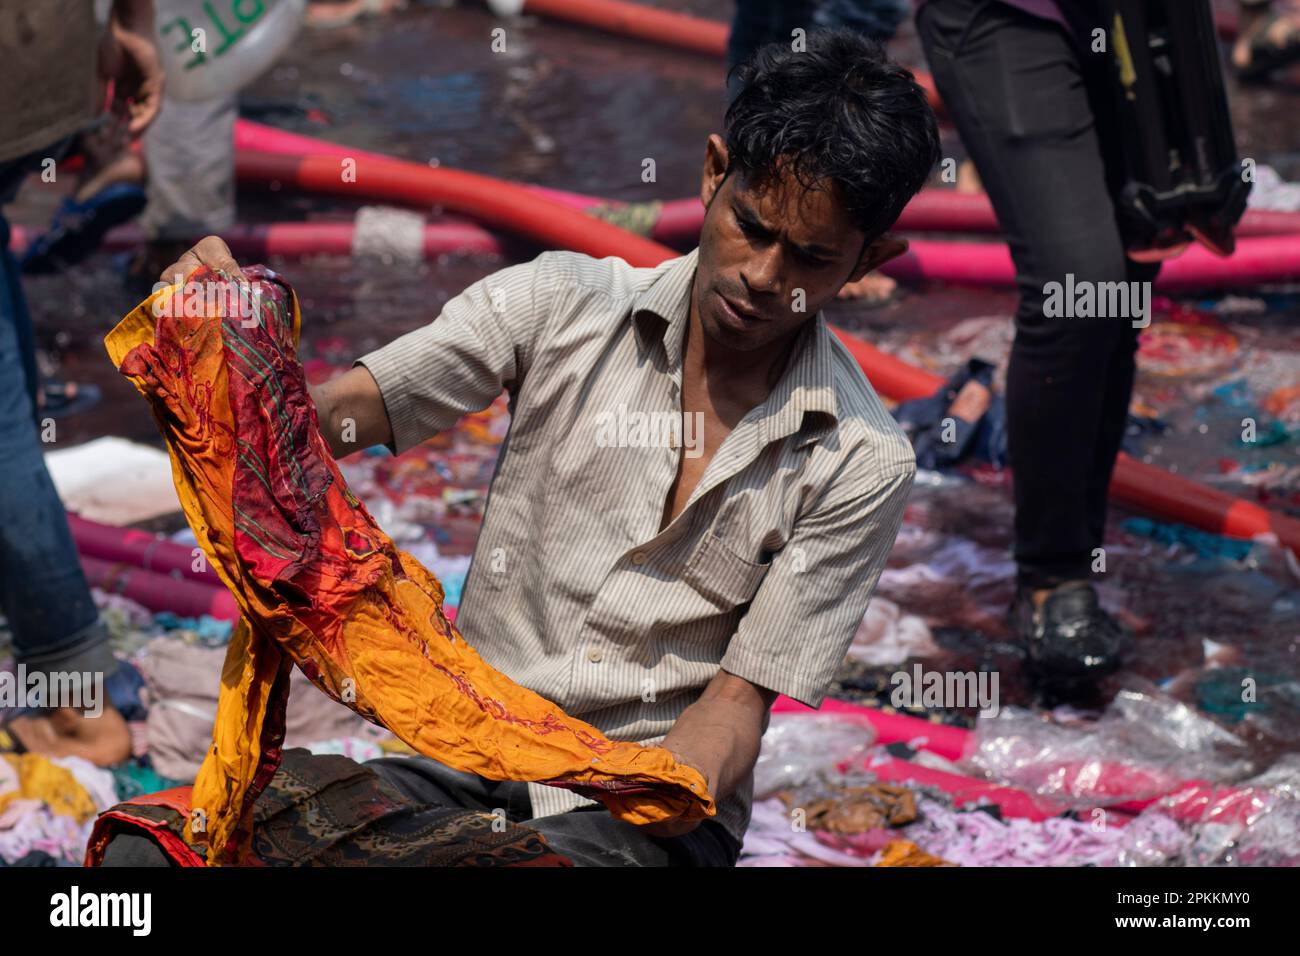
210	251
350	408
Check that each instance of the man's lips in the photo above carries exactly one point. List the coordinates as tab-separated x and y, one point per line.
739	313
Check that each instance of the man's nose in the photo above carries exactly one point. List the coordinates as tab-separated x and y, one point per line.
762	271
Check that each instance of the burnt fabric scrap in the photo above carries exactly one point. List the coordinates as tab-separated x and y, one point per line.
855	809
319	584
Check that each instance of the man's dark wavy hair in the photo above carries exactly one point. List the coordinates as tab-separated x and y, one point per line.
840	112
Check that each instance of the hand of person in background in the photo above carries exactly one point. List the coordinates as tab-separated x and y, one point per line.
129	60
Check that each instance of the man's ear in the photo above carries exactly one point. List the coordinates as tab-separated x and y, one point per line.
877	254
715	168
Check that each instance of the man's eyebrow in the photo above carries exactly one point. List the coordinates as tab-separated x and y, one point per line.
816	249
743	211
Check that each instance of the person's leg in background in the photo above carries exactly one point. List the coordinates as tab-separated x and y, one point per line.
1019	97
878	19
757	23
43	592
189	156
1122	370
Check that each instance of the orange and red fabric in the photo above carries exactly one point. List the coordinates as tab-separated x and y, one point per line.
321	586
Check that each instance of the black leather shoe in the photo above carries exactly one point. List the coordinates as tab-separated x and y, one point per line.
1070	642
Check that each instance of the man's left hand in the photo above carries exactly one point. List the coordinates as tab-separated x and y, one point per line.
675	828
129	58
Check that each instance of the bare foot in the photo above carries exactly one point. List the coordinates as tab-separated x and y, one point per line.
125	167
873	289
1277	32
65	732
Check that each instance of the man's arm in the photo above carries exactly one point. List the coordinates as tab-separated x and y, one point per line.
719	735
797	629
128	57
351	412
482	342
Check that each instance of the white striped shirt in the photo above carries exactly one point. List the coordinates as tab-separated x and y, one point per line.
573	591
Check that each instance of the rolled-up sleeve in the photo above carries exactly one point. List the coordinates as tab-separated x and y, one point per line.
482	342
801	621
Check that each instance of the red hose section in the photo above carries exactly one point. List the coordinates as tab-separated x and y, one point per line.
139	548
679	222
963	790
1259	260
160	592
639	22
946	210
497	204
261	138
293	240
939	210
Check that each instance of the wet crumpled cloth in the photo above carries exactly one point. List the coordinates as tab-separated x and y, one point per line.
856	809
53	811
321	586
905	853
184	681
1145	745
888	636
36	777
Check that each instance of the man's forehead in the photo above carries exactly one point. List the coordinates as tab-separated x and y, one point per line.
809	213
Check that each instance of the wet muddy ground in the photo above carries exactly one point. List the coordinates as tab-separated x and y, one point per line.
576	110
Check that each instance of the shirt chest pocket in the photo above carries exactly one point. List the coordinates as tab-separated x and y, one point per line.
721	575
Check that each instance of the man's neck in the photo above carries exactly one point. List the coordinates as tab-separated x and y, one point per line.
749	375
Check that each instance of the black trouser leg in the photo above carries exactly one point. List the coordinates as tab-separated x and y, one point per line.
587	836
1026	104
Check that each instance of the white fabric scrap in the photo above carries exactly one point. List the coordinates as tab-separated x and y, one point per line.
393	235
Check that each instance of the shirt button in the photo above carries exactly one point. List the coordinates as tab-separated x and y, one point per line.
594	655
638	557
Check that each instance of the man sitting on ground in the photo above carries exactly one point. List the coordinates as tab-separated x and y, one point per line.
666	583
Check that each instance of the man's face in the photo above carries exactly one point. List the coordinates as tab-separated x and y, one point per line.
771	255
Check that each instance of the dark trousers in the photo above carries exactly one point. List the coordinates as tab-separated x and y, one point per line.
588	836
1032	111
759	22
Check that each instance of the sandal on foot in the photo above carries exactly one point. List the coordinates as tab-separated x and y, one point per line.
60	401
78	228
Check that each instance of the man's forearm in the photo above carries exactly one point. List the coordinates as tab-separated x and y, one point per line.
351	412
721	733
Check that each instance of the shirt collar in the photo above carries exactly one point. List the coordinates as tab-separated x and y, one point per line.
803	401
661	310
660	313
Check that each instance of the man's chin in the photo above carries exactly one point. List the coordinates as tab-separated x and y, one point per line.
734	339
